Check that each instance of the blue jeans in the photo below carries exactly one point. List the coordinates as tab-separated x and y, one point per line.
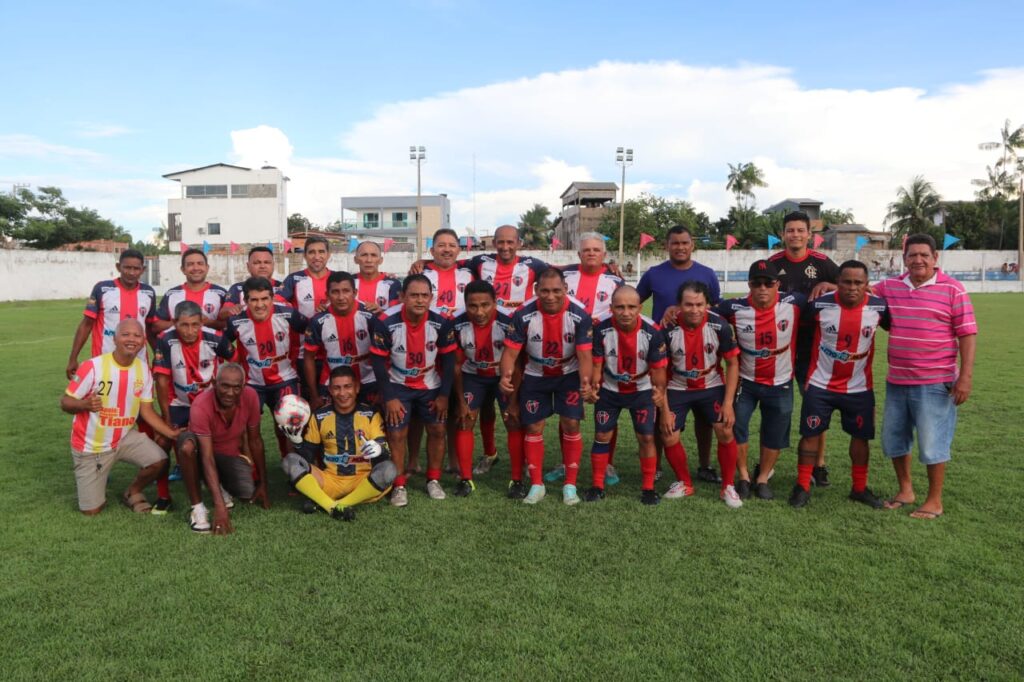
776	403
927	408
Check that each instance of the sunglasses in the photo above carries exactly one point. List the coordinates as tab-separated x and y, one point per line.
762	283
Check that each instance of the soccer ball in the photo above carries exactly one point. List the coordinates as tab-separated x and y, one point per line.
291	414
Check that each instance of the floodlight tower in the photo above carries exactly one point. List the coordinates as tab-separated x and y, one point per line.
418	155
623	157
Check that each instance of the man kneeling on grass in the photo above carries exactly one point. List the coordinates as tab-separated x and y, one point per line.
349	439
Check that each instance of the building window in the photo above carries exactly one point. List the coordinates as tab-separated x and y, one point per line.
371	220
253	191
399	219
212	228
206	192
174	227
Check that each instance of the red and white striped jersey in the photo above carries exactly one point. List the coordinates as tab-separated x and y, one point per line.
122	391
480	347
382	291
844	342
551	341
265	347
304	292
235	295
449	288
109	303
765	337
513	283
627	358
191	367
594	291
413	349
344	340
209	299
696	353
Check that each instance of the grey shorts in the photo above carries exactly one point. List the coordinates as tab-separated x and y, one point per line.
92	470
234	471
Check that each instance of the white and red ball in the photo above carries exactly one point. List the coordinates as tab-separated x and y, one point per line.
292	413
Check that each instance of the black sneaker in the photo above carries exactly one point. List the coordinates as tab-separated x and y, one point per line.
649	497
162	506
866	497
516	490
820	477
799	497
308	507
346	514
464	487
763	491
595	494
743	489
708	475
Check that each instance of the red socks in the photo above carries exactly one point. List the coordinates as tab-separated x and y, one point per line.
487	435
572	453
534	448
464	451
434	474
860	477
515	454
803	475
648	468
163	488
599	462
727	453
400	480
676	456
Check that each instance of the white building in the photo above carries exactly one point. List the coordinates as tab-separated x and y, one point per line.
223	203
394	217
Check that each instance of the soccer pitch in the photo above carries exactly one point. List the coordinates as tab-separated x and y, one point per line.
487	588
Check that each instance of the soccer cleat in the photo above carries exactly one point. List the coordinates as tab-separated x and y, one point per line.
308	507
799	497
678	489
611	476
399	497
516	490
556	474
866	497
435	491
649	497
819	475
484	464
595	494
344	513
464	487
731	498
569	495
175	474
229	502
162	506
743	489
763	491
708	475
536	494
199	519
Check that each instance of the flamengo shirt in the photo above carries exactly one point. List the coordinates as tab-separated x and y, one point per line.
628	357
122	390
304	292
593	291
844	342
412	349
449	288
512	282
765	337
801	276
696	353
550	340
265	346
190	367
209	299
480	347
345	342
382	291
109	303
206	419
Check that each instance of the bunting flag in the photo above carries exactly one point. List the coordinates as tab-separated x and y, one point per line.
206	246
818	241
469	242
862	241
288	245
555	243
730	242
183	247
605	237
948	241
270	246
430	242
353	244
234	248
388	243
645	239
773	241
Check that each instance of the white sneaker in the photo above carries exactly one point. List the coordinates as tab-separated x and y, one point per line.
536	494
484	464
569	495
199	520
229	502
731	499
399	497
435	491
679	489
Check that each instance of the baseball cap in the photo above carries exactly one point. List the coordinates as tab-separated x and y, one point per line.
763	269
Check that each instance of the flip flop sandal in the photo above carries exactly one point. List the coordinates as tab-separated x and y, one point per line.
893	504
137	503
926	515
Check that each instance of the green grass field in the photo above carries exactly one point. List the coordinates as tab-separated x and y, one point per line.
487	588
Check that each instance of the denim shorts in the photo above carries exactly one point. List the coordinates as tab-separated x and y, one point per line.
776	403
927	408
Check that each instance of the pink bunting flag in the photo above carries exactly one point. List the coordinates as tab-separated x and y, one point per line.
730	242
555	243
469	242
287	245
645	239
183	247
388	243
234	248
818	240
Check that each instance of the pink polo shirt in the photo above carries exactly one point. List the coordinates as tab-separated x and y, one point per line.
205	419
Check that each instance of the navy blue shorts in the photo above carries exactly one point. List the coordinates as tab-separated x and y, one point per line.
271	395
856	412
540	397
776	403
417	404
707	403
479	391
611	403
180	415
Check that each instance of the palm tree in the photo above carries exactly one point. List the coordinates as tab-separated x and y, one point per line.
743	178
913	211
535	227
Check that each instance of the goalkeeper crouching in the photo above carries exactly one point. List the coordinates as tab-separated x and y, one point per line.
343	459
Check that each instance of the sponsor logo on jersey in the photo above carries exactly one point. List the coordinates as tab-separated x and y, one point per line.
250	342
536	337
831	329
180	364
747	329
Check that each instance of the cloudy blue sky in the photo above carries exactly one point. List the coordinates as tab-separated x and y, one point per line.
839	101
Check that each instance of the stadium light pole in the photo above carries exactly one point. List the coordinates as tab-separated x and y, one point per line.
417	155
623	157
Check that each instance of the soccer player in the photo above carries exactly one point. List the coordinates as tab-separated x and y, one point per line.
375	290
557	335
812	274
107	394
839	378
413	356
932	322
306	289
765	322
342	335
211	450
480	334
448	278
110	302
629	370
348	437
209	297
698	342
663	282
260	264
184	364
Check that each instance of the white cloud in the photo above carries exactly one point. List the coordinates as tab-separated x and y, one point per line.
30	146
100	130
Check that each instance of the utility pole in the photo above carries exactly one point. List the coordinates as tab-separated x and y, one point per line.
417	155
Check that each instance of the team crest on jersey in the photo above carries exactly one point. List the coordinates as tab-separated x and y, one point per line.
602	417
811	272
468	397
431	346
381	301
813	421
137	388
517	280
569	338
205	364
866	332
361	334
709	348
279	336
461	286
532	406
208	308
783	325
602	296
